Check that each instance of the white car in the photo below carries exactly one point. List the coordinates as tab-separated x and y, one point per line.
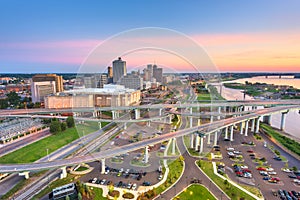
270	169
121	170
237	152
160	177
272	173
103	181
286	170
129	185
248	175
230	149
106	171
134	186
296	181
94	180
244	167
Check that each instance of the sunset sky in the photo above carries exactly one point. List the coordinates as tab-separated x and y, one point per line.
58	36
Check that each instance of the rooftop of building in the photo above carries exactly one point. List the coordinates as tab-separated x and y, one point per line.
107	89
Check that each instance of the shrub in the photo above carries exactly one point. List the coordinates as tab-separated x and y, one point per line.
55	127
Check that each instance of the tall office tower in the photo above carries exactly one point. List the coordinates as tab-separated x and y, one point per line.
119	69
109	72
45	84
147	75
150	68
158	73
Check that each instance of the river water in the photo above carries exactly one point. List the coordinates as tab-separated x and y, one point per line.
293	117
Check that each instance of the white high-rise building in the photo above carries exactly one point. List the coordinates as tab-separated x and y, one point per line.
119	69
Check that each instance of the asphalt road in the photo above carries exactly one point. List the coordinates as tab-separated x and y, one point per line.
9	147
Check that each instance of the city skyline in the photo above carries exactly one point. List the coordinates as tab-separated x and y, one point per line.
238	36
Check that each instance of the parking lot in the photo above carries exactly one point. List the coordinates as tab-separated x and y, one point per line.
129	178
269	177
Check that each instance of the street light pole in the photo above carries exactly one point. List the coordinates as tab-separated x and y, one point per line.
48	154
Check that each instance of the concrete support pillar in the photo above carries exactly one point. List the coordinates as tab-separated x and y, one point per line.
199	122
113	114
201	145
253	125
170	119
173	146
282	122
257	125
246	128
211	119
208	138
100	125
219	111
146	154
216	138
137	113
192	140
226	132
241	128
148	123
125	126
160	111
63	172
191	121
94	114
231	132
25	174
191	110
197	142
102	165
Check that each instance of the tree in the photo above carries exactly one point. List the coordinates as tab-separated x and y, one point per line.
55	127
70	122
63	126
3	103
14	99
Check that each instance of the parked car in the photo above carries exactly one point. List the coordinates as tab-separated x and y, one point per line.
134	186
230	149
103	181
269	169
247	175
263	173
250	151
146	183
277	158
261	169
160	177
272	173
94	180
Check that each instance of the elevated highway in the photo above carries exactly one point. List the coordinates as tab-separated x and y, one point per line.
155	106
214	126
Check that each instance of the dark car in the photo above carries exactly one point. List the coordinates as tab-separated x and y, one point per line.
295	194
146	183
277	158
120	184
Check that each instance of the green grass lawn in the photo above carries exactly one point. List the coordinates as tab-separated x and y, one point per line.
204	97
233	192
38	149
290	144
175	167
195	192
